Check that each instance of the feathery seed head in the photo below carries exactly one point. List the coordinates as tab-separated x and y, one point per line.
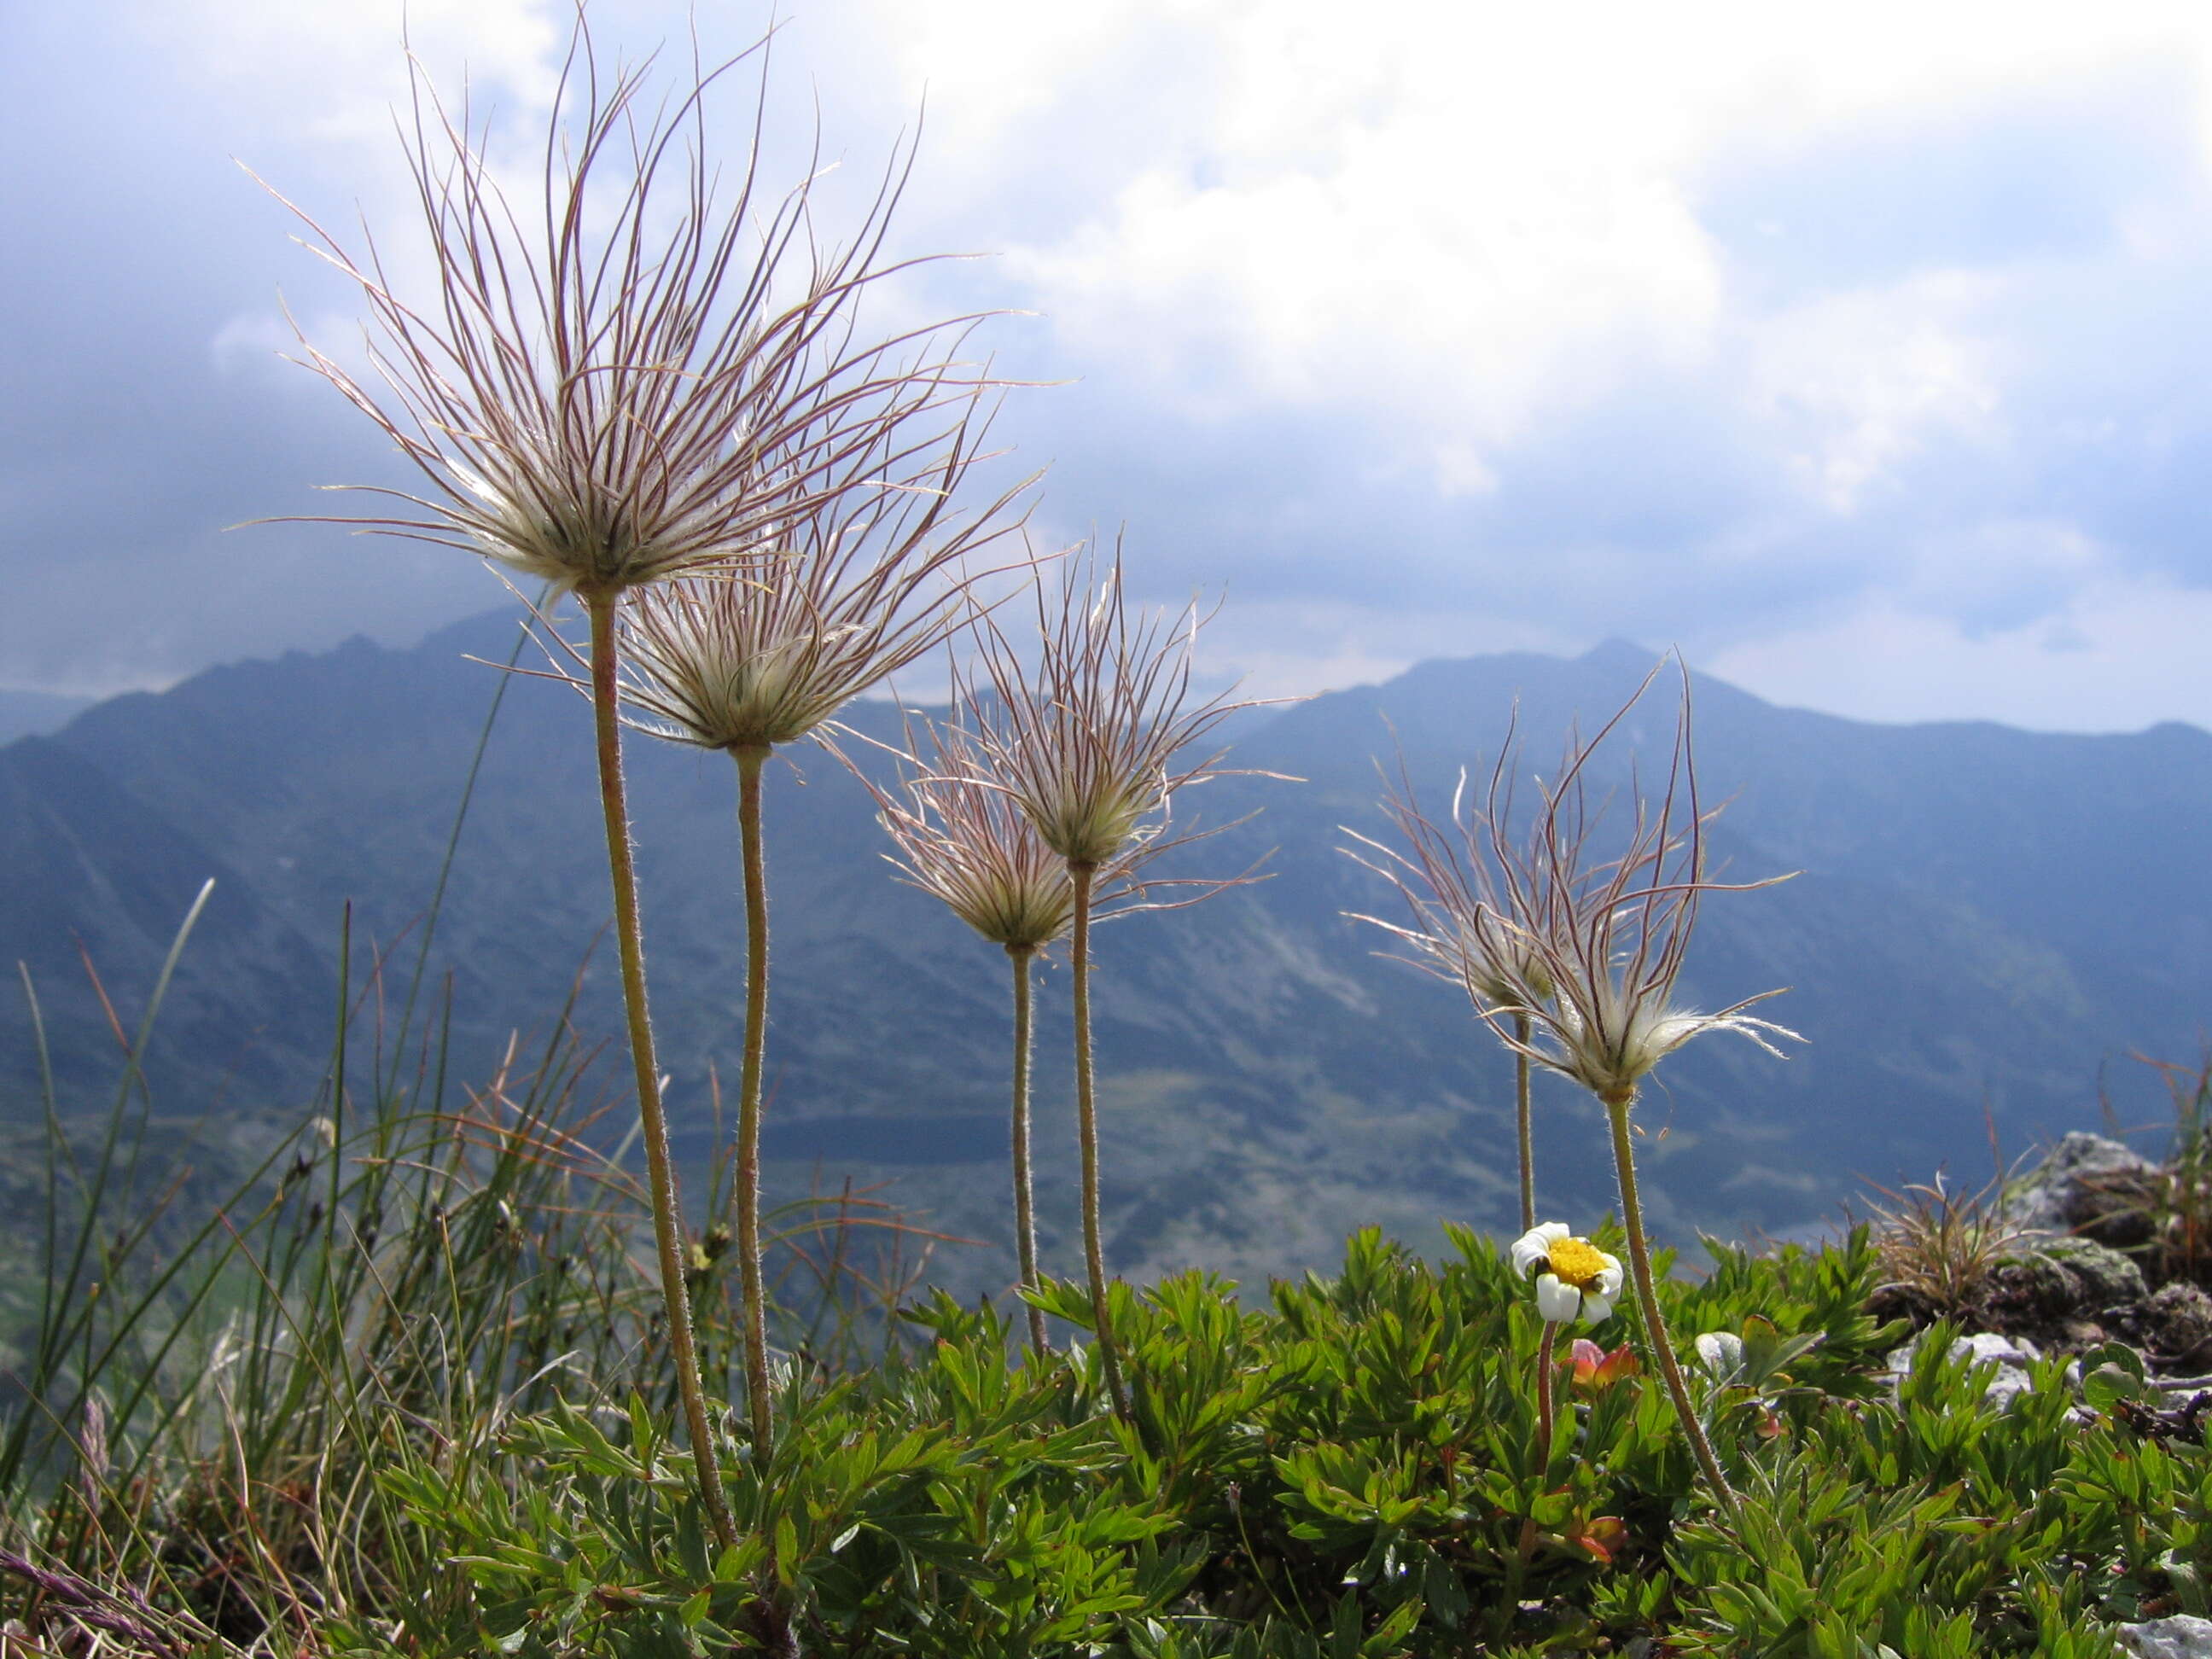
1460	882
961	838
863	583
1607	939
961	833
1587	951
643	375
1091	743
720	664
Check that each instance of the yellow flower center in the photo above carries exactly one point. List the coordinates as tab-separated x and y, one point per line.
1576	1262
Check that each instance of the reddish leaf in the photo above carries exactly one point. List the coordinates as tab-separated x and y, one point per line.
1602	1538
1596	1370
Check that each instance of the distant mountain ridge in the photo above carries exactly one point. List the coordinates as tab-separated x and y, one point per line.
1986	918
33	714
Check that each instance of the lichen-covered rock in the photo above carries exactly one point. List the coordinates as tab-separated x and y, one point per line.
2088	1184
2066	1290
2182	1636
2031	1289
2178	1322
2107	1278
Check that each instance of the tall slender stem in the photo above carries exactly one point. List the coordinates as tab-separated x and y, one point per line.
1520	1122
1021	956
1547	1412
667	1216
1086	1131
1545	1419
1639	1263
750	760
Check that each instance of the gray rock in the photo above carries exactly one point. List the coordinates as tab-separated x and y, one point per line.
2179	1318
2073	1188
2108	1279
2007	1358
1988	1348
2007	1384
2185	1636
2056	1281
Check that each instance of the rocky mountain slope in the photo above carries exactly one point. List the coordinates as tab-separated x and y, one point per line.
1988	922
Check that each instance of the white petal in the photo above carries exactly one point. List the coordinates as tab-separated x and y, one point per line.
1559	1304
1608	1276
1534	1246
1597	1307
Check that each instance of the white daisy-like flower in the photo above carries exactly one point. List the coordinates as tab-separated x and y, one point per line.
1575	1279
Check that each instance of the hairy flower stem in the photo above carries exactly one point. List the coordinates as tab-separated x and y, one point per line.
1546	1416
667	1216
1022	956
1639	1263
751	758
1086	1130
1520	1122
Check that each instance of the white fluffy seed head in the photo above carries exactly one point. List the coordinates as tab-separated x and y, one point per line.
649	367
1605	936
1093	741
960	835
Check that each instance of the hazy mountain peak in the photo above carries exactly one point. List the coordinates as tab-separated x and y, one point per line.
485	634
1618	655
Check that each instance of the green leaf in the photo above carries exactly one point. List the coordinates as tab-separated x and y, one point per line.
2107	1385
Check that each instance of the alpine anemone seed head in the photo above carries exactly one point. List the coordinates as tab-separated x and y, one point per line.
643	366
717	662
960	834
1605	936
1095	739
964	840
1471	914
860	585
1608	1039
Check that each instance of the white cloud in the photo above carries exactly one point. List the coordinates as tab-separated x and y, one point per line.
1975	573
1860	382
1476	212
2117	655
1614	319
1463	254
331	72
1287	648
1384	215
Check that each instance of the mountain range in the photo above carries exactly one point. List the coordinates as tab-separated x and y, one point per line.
1985	926
27	713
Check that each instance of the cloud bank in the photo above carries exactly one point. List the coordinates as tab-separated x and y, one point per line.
1857	351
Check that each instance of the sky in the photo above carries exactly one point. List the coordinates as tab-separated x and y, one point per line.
1863	352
